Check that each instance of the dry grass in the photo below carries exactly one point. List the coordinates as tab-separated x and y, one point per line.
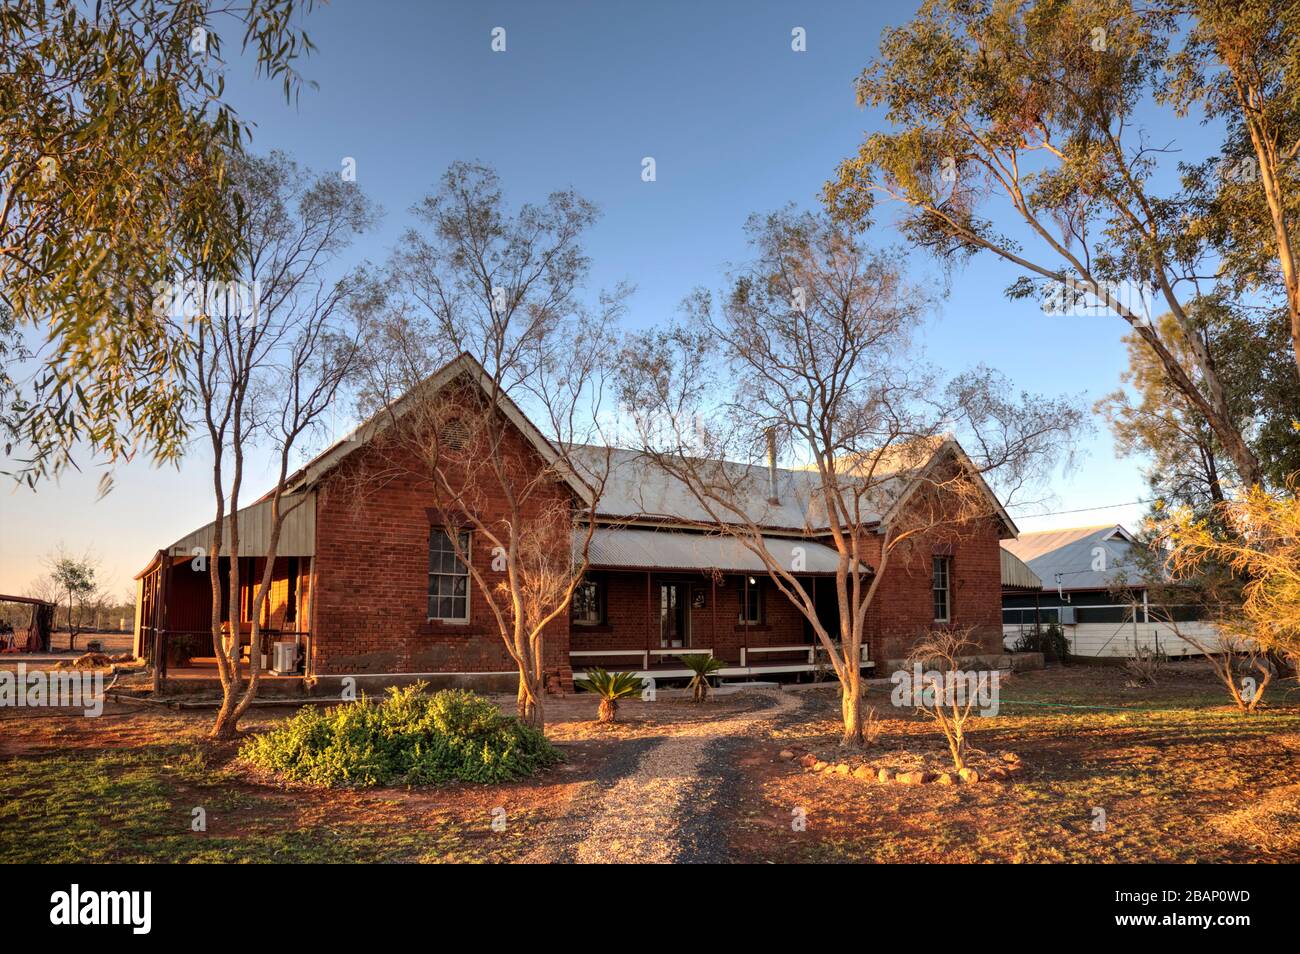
1181	777
1270	825
1177	773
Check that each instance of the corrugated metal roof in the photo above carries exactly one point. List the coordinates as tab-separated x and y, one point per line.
297	533
675	550
1074	553
638	487
1016	574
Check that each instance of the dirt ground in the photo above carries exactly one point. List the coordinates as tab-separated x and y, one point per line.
1107	773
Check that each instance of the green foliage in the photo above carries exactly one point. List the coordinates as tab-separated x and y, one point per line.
1152	419
611	686
407	738
1050	641
116	128
1034	104
74	576
703	665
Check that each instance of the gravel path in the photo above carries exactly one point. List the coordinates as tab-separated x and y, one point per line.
701	834
560	846
661	810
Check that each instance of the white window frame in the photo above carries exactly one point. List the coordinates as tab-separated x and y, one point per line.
429	595
946	589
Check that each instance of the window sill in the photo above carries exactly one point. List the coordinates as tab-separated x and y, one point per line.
591	627
752	628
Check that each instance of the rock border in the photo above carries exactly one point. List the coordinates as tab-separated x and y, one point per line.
811	764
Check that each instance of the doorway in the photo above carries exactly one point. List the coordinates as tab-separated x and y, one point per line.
674	616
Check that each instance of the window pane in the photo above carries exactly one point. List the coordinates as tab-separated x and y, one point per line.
586	602
448	576
940	573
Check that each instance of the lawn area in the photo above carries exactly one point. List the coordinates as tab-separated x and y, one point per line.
1180	778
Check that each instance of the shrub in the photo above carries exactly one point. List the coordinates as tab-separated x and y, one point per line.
610	687
1051	642
703	666
406	738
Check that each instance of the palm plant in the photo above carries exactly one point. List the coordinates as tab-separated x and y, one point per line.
703	666
611	687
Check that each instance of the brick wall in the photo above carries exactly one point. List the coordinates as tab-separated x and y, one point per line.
629	624
371	571
372	544
903	609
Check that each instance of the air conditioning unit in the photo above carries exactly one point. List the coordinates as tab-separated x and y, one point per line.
1067	615
286	658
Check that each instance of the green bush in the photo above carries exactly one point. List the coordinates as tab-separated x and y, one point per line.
406	738
1051	642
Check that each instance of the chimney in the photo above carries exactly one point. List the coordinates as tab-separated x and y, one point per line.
772	497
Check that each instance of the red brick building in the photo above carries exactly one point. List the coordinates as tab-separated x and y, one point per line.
369	586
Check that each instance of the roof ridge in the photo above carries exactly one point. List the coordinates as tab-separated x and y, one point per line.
1085	526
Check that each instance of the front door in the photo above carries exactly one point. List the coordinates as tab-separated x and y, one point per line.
674	623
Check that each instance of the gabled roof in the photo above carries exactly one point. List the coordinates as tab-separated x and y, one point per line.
944	447
638	489
1074	552
465	366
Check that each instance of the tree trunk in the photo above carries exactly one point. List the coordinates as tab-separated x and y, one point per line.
528	702
851	706
957	745
224	727
72	629
608	710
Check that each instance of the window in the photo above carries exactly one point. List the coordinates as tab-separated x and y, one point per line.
942	585
448	577
589	603
751	601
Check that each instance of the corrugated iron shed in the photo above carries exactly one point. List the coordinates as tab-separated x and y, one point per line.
1087	558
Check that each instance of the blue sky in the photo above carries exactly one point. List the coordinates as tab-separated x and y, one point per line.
736	121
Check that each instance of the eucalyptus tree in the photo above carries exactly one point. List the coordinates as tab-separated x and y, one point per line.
271	353
496	292
1016	129
114	132
809	354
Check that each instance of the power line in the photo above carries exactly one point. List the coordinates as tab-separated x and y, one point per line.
1055	513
